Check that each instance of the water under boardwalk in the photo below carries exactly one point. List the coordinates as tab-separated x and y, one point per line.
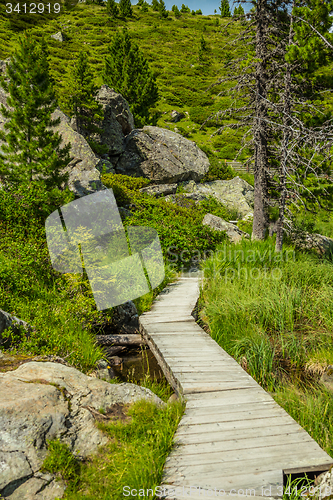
233	435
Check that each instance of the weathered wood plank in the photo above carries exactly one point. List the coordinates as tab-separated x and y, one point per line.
132	339
205	387
243	444
259	482
226	417
220	457
245	433
248	465
253	423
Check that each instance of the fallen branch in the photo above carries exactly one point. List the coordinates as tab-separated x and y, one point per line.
120	340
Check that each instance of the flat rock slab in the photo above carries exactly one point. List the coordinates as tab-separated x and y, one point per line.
233	436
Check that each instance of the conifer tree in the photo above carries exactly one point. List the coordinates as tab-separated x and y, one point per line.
112	8
31	153
127	71
125	8
81	104
225	9
176	11
162	10
155	5
144	7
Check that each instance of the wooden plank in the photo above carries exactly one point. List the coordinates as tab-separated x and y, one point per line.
234	444
260	482
226	373
220	457
202	387
242	433
253	423
246	465
229	408
242	396
218	417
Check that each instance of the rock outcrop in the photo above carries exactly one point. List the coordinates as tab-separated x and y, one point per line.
84	174
235	194
162	156
233	232
118	120
8	321
43	401
312	241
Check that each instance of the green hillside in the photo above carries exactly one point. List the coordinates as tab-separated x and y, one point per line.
171	46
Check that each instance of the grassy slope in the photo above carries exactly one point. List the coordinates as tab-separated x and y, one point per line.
171	47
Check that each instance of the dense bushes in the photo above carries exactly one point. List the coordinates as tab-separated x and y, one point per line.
182	235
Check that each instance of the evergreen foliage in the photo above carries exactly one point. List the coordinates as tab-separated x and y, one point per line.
80	101
145	6
155	5
162	9
238	11
127	71
185	9
125	8
199	12
32	152
225	9
112	8
176	11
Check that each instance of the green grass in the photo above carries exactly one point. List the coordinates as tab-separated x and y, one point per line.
134	456
274	314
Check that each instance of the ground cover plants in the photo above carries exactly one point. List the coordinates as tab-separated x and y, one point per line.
282	306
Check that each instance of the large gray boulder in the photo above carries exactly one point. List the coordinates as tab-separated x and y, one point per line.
84	174
117	123
161	156
311	241
42	401
8	321
234	194
233	232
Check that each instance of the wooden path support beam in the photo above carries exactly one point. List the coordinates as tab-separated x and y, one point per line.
120	340
233	436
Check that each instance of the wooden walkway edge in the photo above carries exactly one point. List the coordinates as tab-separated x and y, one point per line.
233	438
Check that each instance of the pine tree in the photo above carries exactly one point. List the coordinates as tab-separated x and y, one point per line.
125	8
112	8
145	6
225	9
81	104
162	10
31	153
127	71
155	5
176	11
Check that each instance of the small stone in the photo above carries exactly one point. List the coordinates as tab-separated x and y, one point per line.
58	36
173	398
233	232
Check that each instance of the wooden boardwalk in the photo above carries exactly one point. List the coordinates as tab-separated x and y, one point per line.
233	437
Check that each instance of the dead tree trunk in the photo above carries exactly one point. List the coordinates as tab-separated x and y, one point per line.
260	217
285	143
